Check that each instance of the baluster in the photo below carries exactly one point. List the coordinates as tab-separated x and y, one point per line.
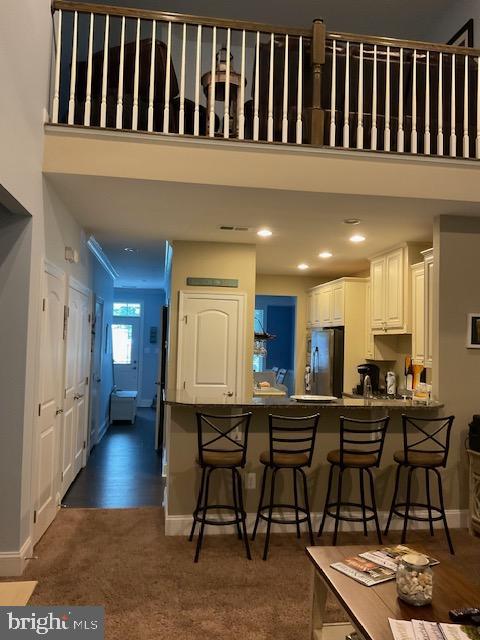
241	106
478	110
256	121
166	107
73	74
440	106
466	137
453	114
299	127
151	88
360	101
333	98
88	95
285	94
136	78
374	100
414	135
387	141
401	132
346	115
58	57
181	115
226	106
211	93
198	67
120	78
270	91
103	106
427	106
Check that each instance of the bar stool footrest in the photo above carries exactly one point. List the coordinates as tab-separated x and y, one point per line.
220	523
265	517
356	505
420	505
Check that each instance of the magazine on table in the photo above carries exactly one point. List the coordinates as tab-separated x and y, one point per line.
423	630
374	567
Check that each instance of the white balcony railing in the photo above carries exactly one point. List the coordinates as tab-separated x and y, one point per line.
156	72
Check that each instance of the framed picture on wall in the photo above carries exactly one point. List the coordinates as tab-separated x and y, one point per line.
464	36
473	331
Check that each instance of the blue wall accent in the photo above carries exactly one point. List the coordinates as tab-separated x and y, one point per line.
152	301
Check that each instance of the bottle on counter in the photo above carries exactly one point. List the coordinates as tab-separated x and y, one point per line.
367	387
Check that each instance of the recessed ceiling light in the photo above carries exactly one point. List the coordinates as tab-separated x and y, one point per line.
352	221
325	255
264	233
357	238
303	266
130	250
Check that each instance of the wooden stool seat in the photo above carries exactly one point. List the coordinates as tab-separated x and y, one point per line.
221	459
360	461
419	459
284	459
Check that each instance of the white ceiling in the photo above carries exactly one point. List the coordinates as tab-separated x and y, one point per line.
142	214
407	19
142	269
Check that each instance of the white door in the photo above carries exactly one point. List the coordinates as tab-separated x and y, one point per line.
49	420
126	350
76	385
96	375
211	343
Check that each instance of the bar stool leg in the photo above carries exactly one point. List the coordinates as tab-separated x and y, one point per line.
270	514
362	498
242	511
327	500
204	515
339	499
442	508
199	502
307	507
260	503
295	494
407	505
374	506
429	502
394	498
235	502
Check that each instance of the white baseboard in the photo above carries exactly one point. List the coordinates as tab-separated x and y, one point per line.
103	430
13	563
144	402
180	525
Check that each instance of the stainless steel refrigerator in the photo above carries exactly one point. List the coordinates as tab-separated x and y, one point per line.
326	362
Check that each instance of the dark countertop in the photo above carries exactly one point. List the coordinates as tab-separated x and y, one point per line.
182	398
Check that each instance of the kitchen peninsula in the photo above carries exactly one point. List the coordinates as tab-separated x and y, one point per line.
181	440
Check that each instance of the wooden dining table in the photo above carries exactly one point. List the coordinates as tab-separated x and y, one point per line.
368	608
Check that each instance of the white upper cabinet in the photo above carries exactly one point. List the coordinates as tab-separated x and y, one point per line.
428	262
326	306
327	302
338	304
418	313
377	293
394	303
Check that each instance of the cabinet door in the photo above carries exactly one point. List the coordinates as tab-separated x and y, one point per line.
369	340
428	311
310	314
394	300
326	312
418	314
338	304
316	308
377	294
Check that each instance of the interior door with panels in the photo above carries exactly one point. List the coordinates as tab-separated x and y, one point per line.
211	344
49	421
394	308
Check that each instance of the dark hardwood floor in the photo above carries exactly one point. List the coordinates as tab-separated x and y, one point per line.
123	471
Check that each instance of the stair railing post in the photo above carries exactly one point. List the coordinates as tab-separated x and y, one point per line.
317	115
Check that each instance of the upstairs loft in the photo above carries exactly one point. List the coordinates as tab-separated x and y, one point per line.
209	80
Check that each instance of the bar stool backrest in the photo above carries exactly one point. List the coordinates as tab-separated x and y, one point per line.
291	435
426	435
215	434
362	437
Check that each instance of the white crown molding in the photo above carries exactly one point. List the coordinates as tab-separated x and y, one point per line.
96	248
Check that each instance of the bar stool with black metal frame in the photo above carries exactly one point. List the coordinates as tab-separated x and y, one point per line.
425	447
361	447
291	446
218	450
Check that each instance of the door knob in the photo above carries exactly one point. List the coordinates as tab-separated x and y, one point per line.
78	396
134	368
58	412
229	394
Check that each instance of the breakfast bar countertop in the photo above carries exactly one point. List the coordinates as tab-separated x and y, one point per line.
182	398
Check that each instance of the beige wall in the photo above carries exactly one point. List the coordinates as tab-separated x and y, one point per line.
296	286
457	372
212	260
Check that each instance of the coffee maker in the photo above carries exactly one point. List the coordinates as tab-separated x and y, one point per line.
373	372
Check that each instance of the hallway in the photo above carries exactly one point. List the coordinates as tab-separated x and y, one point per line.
123	471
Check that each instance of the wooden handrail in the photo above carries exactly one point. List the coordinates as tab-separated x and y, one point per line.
127	12
405	44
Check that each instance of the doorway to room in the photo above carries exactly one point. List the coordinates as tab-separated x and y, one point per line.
275	315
